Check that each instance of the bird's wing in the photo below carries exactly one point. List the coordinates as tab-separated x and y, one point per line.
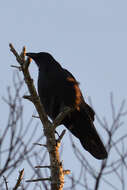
85	107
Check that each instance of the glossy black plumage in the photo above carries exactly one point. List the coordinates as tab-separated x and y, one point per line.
58	88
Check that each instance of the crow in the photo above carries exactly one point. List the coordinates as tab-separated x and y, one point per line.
57	89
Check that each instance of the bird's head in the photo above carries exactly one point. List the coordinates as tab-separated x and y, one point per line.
41	58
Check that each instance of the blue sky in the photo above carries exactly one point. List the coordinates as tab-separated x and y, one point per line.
87	37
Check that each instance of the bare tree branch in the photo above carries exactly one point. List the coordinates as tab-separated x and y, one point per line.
57	173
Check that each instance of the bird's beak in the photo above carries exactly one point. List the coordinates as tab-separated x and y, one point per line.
31	55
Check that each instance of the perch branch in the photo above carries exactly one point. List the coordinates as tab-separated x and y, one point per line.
57	173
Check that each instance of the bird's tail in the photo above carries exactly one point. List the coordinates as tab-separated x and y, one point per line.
93	144
92	141
81	125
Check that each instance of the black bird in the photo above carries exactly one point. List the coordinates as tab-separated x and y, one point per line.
57	89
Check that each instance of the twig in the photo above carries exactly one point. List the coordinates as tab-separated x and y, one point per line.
34	116
67	172
19	179
61	116
40	144
28	98
39	179
61	136
17	67
43	167
5	180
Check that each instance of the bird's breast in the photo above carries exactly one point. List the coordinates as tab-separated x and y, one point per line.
56	92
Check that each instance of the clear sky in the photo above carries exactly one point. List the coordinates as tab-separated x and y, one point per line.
87	37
